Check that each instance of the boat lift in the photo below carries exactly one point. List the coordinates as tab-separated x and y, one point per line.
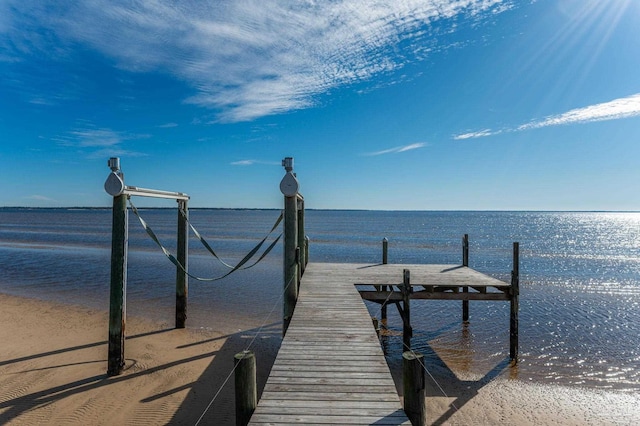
120	192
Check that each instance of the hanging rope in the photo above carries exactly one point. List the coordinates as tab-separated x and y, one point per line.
175	261
213	253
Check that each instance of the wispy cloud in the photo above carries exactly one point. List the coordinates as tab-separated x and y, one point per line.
253	162
478	134
251	58
168	125
39	198
612	110
100	142
398	149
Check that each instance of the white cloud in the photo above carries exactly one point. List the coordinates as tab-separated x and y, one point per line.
398	149
612	110
96	137
168	125
114	152
100	142
252	162
39	198
244	163
250	58
478	134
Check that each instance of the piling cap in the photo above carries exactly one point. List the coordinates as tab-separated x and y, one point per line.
114	164
287	163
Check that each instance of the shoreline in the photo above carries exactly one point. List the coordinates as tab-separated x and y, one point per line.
53	371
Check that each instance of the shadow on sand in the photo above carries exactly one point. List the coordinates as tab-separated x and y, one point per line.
198	402
441	380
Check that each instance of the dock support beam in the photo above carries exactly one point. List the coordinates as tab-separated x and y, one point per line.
246	387
290	261
413	384
182	283
306	250
407	331
301	238
383	309
515	297
117	299
465	262
289	188
385	249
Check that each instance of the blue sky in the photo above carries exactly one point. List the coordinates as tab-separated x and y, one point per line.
395	105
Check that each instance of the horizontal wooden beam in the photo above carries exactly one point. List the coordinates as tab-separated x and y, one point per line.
394	296
154	193
501	287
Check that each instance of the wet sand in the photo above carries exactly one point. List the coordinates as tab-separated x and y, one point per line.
53	365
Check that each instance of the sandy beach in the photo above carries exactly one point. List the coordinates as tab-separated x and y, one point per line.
53	371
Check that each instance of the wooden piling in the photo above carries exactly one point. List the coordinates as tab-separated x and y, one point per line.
465	250
117	299
414	389
245	386
290	264
465	262
306	250
301	236
298	266
407	331
383	309
385	249
182	283
515	297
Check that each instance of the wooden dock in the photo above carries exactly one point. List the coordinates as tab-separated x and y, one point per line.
330	368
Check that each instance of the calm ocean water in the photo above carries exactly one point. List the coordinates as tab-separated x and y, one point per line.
580	279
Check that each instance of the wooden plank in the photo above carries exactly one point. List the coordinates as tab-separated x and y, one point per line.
328	397
307	419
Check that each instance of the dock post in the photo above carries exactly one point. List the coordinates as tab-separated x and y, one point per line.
301	237
515	296
118	298
306	250
289	188
383	309
407	331
413	384
182	283
298	267
465	262
246	388
465	250
385	249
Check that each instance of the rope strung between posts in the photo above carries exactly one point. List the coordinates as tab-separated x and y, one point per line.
239	266
264	323
213	253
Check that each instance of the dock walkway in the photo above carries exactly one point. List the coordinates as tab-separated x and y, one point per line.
330	368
